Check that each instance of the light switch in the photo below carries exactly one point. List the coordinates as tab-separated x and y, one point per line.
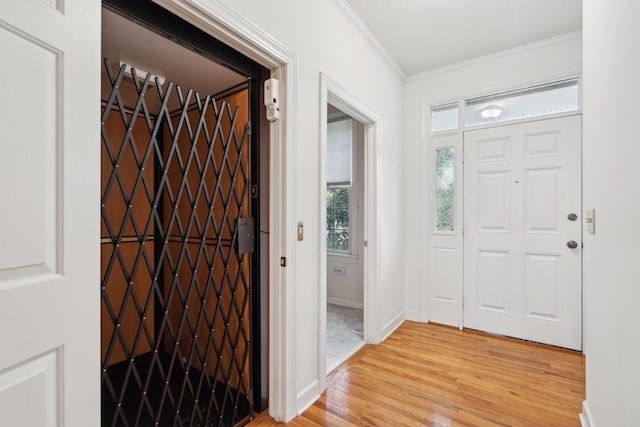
590	219
300	230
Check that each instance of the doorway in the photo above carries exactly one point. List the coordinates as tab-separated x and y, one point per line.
332	93
182	226
522	231
344	174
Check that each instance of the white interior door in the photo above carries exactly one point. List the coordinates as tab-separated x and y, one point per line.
521	183
49	221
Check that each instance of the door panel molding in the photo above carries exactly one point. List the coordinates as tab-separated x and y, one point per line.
49	176
535	292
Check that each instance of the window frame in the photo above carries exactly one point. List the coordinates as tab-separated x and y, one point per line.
513	92
461	103
352	191
455	190
459	109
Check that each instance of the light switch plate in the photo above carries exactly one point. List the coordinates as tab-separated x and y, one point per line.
300	230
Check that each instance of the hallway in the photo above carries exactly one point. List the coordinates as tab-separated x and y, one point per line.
427	374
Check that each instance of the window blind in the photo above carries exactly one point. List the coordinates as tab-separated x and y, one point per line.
339	153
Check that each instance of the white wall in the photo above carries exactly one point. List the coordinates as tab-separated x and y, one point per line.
348	288
325	41
611	150
540	62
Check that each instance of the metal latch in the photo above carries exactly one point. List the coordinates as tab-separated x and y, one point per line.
245	235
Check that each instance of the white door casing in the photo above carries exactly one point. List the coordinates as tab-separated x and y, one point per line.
331	92
521	279
49	227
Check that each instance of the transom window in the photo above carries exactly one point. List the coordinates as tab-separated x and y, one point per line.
551	98
444	117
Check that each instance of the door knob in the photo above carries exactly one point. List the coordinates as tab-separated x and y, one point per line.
572	244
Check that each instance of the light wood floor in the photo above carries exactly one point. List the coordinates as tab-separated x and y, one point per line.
426	374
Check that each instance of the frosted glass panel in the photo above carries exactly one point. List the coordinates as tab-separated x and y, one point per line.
552	98
444	117
444	189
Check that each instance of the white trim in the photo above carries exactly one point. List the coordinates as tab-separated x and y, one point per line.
332	92
308	396
364	29
413	315
345	303
217	19
586	419
336	257
494	56
393	324
521	121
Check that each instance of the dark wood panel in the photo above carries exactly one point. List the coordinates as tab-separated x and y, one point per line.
115	206
129	168
180	309
116	290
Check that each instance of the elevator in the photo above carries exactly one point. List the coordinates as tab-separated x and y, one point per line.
183	300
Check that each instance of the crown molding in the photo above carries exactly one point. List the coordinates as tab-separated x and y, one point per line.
361	26
497	55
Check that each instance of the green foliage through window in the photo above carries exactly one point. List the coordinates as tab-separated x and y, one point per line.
338	219
444	189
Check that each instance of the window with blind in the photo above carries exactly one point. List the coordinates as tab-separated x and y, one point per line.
340	185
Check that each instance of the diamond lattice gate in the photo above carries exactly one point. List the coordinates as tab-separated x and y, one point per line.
175	286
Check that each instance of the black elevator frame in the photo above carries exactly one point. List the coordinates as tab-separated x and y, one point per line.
151	16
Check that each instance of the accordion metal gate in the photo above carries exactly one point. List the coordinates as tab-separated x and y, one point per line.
176	284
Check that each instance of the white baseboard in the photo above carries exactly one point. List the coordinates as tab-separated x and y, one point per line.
586	419
413	315
392	325
345	303
308	396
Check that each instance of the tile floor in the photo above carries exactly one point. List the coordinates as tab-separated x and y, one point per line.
345	334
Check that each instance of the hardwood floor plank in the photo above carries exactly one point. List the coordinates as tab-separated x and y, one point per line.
428	374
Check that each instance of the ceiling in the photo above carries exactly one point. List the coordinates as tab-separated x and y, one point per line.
421	35
124	41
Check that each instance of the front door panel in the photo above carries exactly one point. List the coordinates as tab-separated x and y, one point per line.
521	279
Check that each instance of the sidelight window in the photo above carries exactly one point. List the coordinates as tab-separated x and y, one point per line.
444	189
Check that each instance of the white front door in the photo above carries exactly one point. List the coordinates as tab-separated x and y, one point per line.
50	213
521	184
